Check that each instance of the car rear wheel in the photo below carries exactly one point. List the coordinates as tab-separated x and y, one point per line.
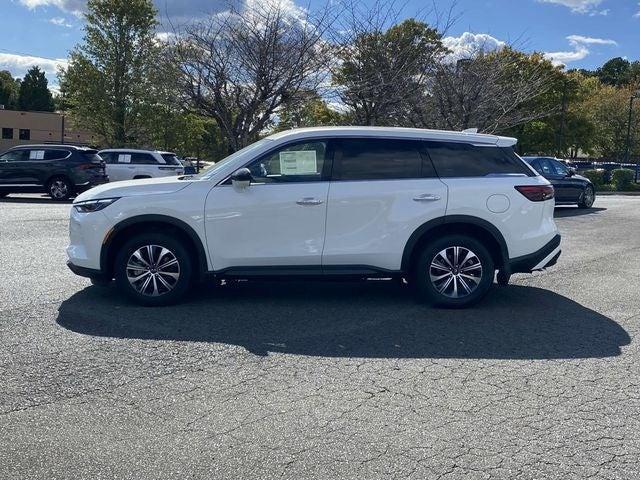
59	188
153	269
454	272
588	197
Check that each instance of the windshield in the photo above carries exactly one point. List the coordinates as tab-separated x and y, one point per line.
213	169
170	158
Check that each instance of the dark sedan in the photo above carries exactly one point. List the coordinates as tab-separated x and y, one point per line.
570	187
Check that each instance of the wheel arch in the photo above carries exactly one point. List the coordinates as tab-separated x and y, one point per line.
475	227
149	223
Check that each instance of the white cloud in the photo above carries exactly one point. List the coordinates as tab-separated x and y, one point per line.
60	22
469	44
19	64
580	6
580	50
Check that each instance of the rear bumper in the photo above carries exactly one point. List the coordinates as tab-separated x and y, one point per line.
85	272
538	260
93	182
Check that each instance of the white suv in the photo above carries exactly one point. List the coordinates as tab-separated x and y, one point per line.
128	164
443	210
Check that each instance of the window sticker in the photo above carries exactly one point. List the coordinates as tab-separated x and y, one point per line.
301	162
124	158
36	154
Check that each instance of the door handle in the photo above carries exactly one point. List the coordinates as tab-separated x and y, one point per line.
309	201
427	197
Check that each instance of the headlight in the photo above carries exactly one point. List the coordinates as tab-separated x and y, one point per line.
89	206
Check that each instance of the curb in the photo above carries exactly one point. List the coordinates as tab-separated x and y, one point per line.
626	194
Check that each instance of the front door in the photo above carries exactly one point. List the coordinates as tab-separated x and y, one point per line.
279	219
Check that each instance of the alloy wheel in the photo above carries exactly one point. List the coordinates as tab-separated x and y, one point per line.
455	272
153	270
59	189
588	197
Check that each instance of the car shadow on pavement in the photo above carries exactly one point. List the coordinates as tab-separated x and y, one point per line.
561	212
43	199
365	319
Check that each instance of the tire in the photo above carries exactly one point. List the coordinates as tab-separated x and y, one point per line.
59	188
160	288
437	265
587	198
503	278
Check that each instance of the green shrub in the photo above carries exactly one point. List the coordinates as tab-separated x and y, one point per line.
596	177
606	187
622	179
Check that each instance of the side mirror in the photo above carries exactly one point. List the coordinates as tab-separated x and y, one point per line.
571	171
241	178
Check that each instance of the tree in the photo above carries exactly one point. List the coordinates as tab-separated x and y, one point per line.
380	66
616	72
241	67
491	91
308	109
108	81
34	92
9	90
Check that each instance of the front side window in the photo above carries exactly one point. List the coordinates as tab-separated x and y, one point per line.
109	157
466	160
559	168
25	134
14	156
299	162
7	133
378	159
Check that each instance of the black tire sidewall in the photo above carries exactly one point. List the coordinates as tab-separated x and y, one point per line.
428	293
154	238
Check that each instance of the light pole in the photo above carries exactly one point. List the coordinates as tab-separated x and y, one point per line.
627	155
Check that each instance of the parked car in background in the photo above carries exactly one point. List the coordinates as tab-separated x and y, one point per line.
58	170
132	164
570	187
443	210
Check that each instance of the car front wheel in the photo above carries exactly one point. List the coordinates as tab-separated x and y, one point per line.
153	269
454	272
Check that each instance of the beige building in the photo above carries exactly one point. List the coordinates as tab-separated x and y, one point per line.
20	128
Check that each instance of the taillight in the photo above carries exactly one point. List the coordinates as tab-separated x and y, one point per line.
537	193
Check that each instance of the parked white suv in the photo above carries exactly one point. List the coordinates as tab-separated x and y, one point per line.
444	210
128	164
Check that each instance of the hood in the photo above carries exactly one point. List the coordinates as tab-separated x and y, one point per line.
130	188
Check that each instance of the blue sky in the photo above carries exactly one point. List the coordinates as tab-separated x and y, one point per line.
577	33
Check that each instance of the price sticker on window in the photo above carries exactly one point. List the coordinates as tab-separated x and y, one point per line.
302	162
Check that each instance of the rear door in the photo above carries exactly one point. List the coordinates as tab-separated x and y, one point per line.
145	165
482	180
381	191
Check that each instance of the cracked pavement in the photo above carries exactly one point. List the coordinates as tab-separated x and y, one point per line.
322	379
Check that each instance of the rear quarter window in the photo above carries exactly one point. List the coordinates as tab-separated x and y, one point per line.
466	160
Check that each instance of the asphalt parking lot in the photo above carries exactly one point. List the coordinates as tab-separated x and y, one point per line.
322	380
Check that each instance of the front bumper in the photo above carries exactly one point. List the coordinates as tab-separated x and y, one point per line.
547	256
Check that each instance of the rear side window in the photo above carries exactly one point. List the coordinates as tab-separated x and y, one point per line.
170	159
143	158
91	156
466	160
378	159
55	154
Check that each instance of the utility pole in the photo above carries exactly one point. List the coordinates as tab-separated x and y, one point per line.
563	112
627	156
